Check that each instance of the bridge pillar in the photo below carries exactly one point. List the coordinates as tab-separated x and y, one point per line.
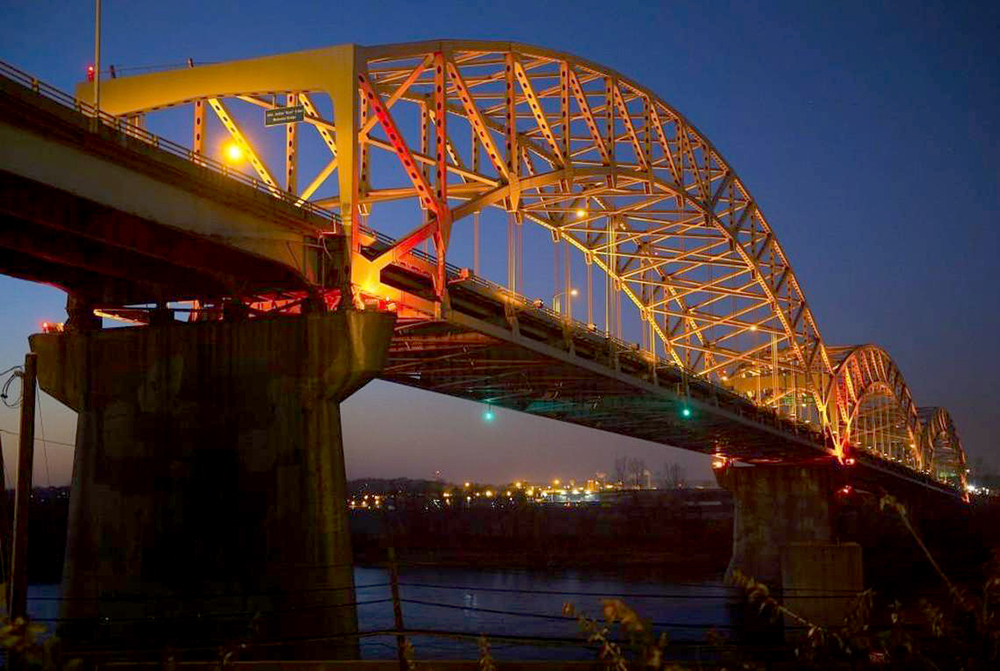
783	536
208	501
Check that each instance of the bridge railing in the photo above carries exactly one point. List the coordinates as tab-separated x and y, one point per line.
121	125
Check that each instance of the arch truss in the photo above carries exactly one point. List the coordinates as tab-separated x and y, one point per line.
650	226
630	190
943	447
875	406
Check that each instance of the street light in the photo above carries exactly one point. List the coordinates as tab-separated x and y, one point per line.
233	152
557	296
97	59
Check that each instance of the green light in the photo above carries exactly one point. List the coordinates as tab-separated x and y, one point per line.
686	412
488	415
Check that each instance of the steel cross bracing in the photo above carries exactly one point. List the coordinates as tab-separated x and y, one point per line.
429	136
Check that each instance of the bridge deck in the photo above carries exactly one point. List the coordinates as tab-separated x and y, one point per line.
495	349
112	210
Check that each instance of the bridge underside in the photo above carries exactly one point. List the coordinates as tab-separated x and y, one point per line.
52	236
475	360
121	218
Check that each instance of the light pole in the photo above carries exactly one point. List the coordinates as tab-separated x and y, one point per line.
556	300
97	58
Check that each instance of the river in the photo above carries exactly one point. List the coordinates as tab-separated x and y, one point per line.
467	600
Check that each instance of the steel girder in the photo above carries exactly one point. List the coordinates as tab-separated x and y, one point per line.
615	174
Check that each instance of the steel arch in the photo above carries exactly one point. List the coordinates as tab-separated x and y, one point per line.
667	220
941	442
863	373
664	217
617	176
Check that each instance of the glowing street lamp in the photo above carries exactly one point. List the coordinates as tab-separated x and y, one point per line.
232	152
556	298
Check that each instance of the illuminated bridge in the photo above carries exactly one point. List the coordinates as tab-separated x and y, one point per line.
539	233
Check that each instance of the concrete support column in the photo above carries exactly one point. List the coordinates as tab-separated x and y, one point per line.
209	499
783	536
774	507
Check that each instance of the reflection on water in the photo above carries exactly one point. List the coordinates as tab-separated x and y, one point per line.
469	600
508	605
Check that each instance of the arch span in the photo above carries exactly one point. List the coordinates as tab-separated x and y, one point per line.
941	442
875	406
617	180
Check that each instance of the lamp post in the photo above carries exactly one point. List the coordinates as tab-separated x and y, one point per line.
556	301
97	58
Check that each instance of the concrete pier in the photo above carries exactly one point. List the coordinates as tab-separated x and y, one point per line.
208	501
783	536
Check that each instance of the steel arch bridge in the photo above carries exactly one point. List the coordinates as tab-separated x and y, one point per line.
651	229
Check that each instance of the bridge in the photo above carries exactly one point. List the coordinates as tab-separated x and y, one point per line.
260	301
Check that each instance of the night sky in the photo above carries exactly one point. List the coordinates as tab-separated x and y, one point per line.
869	134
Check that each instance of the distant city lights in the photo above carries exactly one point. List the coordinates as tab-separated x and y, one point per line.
598	489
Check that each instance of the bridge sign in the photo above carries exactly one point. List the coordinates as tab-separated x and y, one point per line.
280	115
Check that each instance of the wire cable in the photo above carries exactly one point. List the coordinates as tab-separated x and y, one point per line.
205	595
216	615
619	595
734	595
564	618
5	390
53	442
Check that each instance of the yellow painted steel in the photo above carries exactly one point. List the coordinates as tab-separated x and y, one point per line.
567	170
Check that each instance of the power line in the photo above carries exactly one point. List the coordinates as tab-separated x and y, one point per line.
205	595
564	618
38	440
621	595
13	370
197	616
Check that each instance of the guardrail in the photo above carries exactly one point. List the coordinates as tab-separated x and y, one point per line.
121	125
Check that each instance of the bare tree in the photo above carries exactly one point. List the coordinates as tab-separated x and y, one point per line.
621	468
636	467
663	476
672	476
677	476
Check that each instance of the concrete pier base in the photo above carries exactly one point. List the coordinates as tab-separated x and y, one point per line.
820	581
783	536
208	502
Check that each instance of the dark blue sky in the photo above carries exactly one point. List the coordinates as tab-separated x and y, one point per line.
869	133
